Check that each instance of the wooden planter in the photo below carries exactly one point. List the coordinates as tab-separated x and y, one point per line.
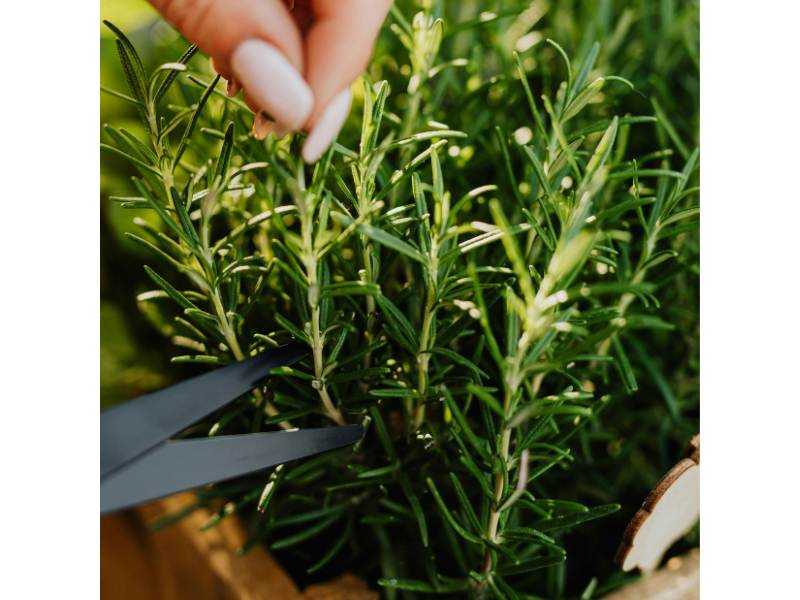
181	562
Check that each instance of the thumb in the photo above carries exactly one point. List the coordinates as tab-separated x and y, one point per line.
257	42
338	47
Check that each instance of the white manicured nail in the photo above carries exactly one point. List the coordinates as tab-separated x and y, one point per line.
327	127
272	82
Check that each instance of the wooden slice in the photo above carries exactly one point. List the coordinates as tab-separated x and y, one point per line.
666	515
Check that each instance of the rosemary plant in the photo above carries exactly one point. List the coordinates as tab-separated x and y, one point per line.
470	268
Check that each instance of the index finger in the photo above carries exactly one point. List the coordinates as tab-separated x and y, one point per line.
339	44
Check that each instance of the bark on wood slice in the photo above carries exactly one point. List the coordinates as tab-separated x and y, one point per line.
693	450
181	562
666	515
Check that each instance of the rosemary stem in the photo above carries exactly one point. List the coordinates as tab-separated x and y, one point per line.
369	277
365	205
499	481
423	360
426	340
316	336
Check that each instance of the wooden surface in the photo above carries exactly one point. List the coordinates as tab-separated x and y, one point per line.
181	562
678	580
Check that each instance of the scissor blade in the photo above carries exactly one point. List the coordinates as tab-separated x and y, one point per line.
128	430
175	466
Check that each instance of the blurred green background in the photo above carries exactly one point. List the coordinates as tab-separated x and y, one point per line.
134	355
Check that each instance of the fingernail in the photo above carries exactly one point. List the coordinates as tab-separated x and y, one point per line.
263	126
233	87
272	82
327	127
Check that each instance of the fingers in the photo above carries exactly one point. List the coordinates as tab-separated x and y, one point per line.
338	46
255	41
256	45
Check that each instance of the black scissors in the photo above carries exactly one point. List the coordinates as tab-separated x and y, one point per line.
138	461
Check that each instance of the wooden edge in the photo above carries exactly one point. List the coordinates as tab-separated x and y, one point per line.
693	450
691	459
665	482
626	545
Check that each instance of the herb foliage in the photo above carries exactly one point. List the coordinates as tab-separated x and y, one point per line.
479	268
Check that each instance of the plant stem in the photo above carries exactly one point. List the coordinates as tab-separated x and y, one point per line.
423	361
370	306
427	339
511	383
316	337
225	325
364	206
499	479
408	127
410	118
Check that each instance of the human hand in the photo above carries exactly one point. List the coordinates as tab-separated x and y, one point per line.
294	59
